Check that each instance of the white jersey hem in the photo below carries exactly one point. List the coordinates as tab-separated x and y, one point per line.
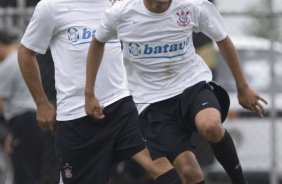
82	114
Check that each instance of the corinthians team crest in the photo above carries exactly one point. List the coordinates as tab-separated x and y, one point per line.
184	17
67	171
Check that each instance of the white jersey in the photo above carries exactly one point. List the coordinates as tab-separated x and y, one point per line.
158	49
67	26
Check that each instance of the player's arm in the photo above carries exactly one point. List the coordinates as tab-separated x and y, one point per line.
94	58
105	31
248	98
31	74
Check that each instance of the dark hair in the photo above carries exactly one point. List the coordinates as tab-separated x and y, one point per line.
6	38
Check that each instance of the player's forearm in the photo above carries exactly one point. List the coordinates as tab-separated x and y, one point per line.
94	58
231	58
31	74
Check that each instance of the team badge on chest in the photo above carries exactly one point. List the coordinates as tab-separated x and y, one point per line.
184	17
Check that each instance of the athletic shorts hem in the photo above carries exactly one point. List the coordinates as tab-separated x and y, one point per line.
128	155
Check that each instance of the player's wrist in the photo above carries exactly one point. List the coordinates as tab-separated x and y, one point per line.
41	101
242	87
89	93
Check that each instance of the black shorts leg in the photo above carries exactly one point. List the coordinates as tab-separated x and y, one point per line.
163	130
129	141
195	99
86	148
168	125
84	154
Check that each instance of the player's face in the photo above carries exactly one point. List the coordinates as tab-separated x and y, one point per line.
157	5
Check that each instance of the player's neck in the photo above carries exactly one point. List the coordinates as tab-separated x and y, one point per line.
157	6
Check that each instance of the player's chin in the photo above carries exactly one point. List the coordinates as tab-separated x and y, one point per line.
163	1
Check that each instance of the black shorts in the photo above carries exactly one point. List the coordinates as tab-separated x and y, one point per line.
87	148
167	126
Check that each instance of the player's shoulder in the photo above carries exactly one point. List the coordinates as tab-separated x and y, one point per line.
125	4
194	6
44	4
119	7
191	2
57	3
57	6
122	2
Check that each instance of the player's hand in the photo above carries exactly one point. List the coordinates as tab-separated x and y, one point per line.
249	99
46	116
93	108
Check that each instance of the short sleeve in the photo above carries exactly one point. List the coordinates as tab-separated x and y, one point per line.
40	29
107	28
210	22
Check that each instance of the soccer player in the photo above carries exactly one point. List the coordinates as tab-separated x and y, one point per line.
85	148
171	84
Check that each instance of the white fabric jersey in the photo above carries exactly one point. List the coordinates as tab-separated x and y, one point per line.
67	26
158	48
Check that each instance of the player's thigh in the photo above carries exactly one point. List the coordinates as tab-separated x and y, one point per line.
129	140
204	108
204	96
165	134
